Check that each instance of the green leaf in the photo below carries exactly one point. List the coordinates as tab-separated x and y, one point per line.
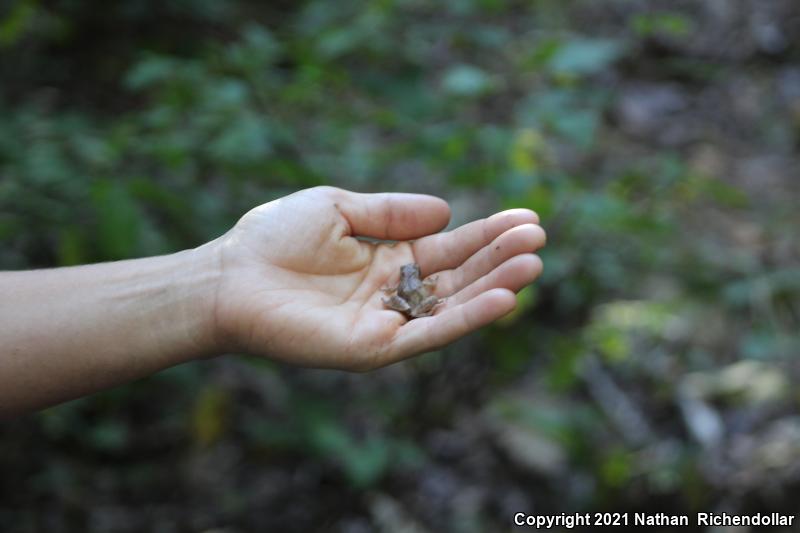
119	220
109	435
18	20
466	80
148	72
245	140
668	24
71	246
585	56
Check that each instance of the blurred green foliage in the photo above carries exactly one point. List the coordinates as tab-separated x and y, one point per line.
142	127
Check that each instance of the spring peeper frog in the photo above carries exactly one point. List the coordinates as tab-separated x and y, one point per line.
413	296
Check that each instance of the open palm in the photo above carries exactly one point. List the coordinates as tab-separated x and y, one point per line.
302	276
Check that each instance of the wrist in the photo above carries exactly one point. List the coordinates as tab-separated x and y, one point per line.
193	290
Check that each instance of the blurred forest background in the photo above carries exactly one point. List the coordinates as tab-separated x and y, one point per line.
652	368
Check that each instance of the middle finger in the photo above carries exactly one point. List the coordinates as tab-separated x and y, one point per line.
518	240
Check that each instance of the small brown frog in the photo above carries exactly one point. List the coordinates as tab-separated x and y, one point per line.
413	296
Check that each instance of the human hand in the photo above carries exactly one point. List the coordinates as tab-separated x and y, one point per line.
296	284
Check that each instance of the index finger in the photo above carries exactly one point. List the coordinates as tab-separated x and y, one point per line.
443	251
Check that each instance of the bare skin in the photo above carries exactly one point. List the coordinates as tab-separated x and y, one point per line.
290	282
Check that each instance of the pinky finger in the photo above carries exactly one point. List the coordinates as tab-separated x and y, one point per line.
429	333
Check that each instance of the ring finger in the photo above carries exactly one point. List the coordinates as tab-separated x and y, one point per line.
522	239
513	275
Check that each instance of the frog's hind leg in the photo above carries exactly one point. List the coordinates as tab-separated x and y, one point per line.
430	282
426	307
397	304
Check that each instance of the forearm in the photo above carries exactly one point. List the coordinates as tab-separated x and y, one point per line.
68	332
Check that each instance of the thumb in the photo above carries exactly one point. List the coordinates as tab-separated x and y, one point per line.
393	216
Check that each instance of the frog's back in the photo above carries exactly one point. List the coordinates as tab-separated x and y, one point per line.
411	287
